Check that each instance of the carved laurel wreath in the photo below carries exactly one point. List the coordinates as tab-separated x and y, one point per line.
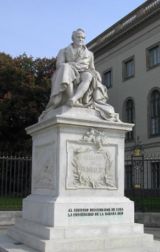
81	179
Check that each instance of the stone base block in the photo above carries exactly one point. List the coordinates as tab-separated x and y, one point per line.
72	211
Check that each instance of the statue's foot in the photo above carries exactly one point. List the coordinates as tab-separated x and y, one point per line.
74	103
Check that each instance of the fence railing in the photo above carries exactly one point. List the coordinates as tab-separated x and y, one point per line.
15	180
142	181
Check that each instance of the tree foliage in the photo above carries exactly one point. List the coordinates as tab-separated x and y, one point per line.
24	93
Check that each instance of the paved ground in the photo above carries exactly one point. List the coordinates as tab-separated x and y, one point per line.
154	231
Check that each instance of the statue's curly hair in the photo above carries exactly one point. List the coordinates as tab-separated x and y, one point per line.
77	31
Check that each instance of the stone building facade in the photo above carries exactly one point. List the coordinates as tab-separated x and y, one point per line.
128	57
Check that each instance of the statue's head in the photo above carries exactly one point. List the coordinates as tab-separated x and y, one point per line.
78	37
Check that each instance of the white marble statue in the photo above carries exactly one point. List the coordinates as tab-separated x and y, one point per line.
76	82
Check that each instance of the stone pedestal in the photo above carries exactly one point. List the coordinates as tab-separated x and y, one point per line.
77	201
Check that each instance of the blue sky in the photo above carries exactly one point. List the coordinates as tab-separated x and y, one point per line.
40	28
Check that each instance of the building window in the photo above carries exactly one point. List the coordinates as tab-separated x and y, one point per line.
155	175
129	117
155	113
107	78
128	68
153	56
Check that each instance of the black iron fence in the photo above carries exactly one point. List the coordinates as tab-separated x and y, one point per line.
15	180
142	182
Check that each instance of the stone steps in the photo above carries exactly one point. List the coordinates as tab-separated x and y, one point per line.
9	245
111	243
47	233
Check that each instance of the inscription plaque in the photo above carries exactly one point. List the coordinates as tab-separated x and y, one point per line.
89	212
91	163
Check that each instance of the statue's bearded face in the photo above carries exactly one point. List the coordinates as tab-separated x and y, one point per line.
79	38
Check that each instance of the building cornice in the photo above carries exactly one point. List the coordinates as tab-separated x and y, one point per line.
124	27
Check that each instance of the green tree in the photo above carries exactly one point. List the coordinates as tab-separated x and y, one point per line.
24	93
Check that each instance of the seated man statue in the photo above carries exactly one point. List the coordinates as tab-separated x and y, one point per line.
76	82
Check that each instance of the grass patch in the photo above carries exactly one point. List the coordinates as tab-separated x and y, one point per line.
10	203
146	203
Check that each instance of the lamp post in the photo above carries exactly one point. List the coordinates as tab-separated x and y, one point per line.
138	149
138	163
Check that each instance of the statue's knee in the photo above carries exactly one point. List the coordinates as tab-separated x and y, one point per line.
89	77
